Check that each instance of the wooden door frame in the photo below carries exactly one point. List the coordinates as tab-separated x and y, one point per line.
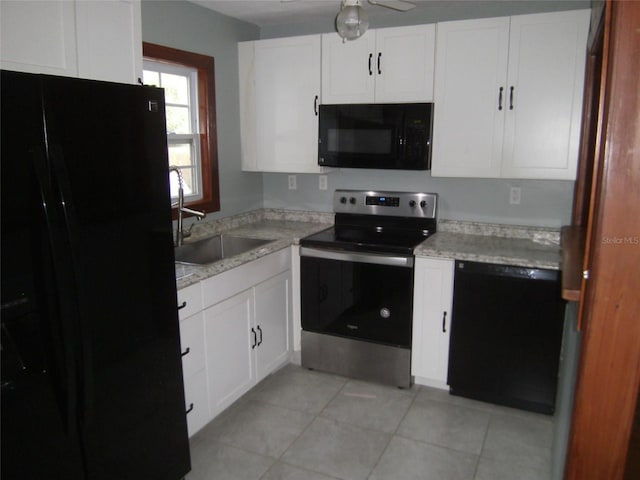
609	370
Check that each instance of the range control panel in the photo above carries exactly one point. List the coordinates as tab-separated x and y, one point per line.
397	204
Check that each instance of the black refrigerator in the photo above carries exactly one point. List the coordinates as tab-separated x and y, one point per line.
91	369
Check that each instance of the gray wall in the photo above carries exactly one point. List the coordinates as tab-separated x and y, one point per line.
187	26
544	203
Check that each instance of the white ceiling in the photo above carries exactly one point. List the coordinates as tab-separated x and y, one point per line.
266	13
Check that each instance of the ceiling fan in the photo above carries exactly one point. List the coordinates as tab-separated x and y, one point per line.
352	20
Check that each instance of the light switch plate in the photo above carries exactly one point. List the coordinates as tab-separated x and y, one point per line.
293	184
322	182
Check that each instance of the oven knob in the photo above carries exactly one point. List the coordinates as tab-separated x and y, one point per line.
385	312
423	204
352	200
343	199
412	203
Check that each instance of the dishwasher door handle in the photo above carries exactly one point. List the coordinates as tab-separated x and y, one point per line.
376	259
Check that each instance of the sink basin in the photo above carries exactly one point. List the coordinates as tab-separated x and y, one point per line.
216	248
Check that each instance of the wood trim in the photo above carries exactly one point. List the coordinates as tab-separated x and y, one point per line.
207	117
609	371
572	259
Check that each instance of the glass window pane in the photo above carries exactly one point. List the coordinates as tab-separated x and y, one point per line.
178	120
180	155
176	88
150	78
174	184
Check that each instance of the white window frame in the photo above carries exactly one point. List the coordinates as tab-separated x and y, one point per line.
193	138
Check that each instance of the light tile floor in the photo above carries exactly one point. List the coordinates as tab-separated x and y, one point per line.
306	425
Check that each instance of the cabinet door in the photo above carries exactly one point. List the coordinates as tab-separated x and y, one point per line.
38	37
192	345
109	40
196	402
471	65
348	69
230	347
287	94
545	83
273	320
404	64
433	297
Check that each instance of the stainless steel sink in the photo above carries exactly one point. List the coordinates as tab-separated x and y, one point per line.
213	249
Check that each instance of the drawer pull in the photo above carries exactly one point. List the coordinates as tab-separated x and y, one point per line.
182	305
260	330
444	319
255	339
186	352
189	409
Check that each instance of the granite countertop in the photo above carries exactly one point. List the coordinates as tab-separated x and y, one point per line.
519	246
534	247
283	232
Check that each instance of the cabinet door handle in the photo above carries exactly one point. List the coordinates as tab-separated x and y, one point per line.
255	339
260	330
500	98
370	58
315	105
189	409
182	305
379	58
186	352
511	97
444	322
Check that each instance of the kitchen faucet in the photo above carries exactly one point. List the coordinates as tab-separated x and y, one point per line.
180	233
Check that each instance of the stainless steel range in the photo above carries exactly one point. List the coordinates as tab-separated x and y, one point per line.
357	285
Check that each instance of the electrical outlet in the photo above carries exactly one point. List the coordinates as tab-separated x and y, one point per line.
514	196
322	182
293	184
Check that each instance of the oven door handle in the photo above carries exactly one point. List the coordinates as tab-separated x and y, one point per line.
391	260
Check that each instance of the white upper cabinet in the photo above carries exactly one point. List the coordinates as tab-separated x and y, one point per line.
508	96
279	98
38	37
101	39
383	66
109	40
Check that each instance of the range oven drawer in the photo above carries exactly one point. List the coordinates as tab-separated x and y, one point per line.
351	295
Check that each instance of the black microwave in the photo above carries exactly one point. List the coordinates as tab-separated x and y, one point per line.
388	136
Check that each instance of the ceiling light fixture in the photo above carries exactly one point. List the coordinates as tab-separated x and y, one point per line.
352	20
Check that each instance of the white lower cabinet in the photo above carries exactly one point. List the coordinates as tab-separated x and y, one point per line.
240	333
432	305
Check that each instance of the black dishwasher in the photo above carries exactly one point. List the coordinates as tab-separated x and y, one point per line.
506	334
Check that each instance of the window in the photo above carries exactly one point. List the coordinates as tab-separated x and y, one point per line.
189	83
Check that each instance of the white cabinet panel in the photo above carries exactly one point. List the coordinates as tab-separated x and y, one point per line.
432	305
405	64
383	66
189	301
229	343
348	69
196	402
471	65
545	83
38	37
109	40
273	323
281	88
192	345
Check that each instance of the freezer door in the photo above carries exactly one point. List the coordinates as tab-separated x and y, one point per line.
108	158
39	390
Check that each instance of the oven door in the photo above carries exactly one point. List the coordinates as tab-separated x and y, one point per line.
357	295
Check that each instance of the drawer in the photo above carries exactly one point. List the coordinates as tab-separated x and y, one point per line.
196	402
192	344
189	300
